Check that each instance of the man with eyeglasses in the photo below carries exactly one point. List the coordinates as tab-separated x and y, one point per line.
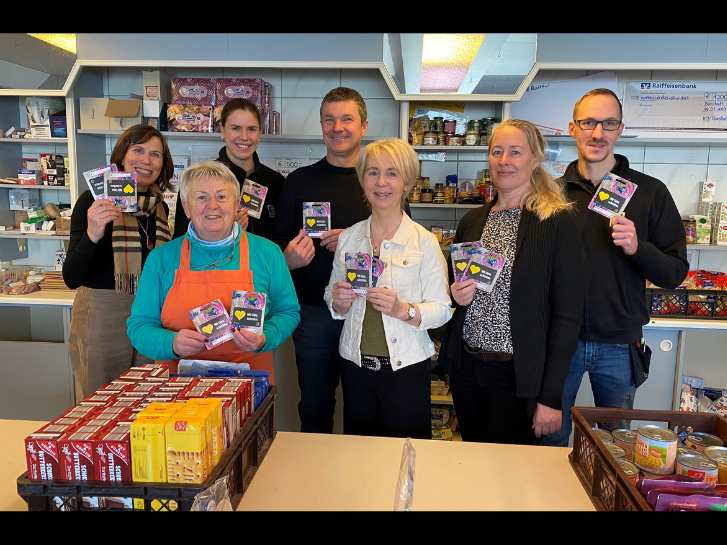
648	242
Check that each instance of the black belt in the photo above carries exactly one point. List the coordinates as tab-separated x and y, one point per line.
374	363
484	355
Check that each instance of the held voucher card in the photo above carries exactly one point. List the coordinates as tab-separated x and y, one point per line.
358	271
377	270
460	254
248	310
316	218
212	321
96	181
612	195
121	190
253	198
484	268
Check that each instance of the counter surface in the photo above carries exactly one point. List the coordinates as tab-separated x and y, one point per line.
12	461
305	471
62	298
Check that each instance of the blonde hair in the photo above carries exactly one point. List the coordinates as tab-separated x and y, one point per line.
401	154
546	197
207	169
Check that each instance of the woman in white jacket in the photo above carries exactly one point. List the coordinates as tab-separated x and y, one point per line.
387	310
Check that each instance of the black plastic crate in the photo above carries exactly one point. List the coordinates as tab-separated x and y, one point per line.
683	303
239	463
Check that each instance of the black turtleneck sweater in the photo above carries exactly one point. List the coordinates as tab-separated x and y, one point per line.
319	182
265	226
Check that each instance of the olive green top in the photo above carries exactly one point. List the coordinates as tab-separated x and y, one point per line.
373	337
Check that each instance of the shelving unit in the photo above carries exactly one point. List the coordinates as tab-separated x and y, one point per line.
281	138
37	186
459	149
34	140
12	233
707	247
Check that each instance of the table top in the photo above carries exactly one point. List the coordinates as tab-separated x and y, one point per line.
305	471
63	298
12	461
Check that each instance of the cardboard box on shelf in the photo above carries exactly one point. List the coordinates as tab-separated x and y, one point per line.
123	113
93	113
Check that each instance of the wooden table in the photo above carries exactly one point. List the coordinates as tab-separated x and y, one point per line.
305	471
12	461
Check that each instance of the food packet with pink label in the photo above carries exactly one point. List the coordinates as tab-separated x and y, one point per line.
654	493
199	91
645	484
212	321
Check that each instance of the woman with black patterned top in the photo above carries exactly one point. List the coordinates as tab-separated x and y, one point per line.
508	349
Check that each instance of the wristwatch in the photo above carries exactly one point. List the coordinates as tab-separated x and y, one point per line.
411	312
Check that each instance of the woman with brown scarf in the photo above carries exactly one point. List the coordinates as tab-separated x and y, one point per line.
106	253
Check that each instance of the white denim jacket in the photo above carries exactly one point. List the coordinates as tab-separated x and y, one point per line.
416	270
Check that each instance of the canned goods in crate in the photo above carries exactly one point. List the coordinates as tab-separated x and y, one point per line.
617	452
656	450
603	435
719	456
631	471
626	439
698	467
699	441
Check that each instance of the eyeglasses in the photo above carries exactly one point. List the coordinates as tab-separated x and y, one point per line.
590	124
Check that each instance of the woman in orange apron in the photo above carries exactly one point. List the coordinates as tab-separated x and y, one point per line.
214	258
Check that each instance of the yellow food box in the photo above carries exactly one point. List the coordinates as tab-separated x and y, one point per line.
160	408
148	448
188	453
214	408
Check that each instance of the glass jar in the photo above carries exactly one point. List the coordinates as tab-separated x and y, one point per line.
450	126
427	196
454	139
437	124
441	139
415	195
438	197
471	138
430	138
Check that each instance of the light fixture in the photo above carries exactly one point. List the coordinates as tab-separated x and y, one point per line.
66	42
446	59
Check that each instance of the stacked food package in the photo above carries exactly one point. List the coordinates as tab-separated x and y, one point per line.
143	427
444	421
196	104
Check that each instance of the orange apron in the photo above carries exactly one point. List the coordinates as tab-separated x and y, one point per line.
195	288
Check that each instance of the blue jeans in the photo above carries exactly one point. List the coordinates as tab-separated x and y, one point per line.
319	367
609	370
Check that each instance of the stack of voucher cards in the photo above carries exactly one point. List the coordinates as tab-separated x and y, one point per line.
109	184
472	260
248	310
612	196
212	321
358	271
377	270
316	218
253	198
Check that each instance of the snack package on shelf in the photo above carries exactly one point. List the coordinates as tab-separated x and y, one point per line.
195	91
189	118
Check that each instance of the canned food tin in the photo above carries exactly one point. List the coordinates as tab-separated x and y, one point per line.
626	439
698	467
603	435
441	139
699	441
719	456
615	451
450	126
681	449
631	471
430	138
454	139
656	450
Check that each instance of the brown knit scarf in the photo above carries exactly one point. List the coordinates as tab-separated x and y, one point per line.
126	240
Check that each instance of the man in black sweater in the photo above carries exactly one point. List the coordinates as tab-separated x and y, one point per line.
649	242
332	179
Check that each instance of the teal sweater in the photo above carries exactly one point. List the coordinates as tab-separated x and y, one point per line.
270	276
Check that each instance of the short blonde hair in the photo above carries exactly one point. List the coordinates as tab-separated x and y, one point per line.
546	197
401	154
207	169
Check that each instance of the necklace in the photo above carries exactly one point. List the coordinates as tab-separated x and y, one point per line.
386	235
216	263
149	244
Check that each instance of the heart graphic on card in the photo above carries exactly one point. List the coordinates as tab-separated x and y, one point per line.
240	314
351	276
311	222
603	196
475	269
128	188
246	198
461	266
207	329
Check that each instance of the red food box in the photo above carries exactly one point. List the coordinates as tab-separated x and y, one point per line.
116	386
183	380
145	387
199	91
134	375
77	451
242	389
124	403
113	454
43	456
105	398
231	414
70	420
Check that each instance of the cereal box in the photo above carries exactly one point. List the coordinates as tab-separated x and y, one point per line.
148	448
187	447
113	454
43	456
78	453
213	408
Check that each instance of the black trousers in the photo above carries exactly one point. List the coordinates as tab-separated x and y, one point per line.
387	403
319	367
485	403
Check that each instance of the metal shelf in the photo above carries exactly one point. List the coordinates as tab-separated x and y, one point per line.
428	205
17	234
463	149
35	140
662	138
706	247
37	186
303	138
